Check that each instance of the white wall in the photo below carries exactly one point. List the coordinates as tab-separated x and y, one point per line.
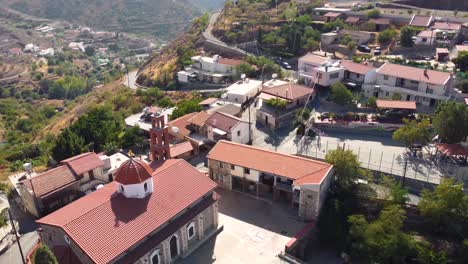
239	172
243	128
136	190
371	76
325	79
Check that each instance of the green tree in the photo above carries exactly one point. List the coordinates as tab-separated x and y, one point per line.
340	94
245	68
346	165
406	36
132	137
374	13
387	36
413	132
90	51
186	107
68	144
382	239
461	61
447	202
396	193
451	121
43	255
372	101
98	127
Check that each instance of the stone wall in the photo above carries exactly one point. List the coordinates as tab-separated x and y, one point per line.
308	204
216	170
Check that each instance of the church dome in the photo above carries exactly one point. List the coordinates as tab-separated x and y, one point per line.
133	172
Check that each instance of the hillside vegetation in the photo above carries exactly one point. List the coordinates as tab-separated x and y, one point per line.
161	18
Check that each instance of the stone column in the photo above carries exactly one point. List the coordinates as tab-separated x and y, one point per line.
200	229
166	251
183	240
215	215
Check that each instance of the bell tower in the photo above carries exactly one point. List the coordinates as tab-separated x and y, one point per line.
159	141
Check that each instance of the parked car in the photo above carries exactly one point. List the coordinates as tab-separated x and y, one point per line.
286	65
364	48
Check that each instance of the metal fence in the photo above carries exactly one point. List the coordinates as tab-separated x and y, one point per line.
399	164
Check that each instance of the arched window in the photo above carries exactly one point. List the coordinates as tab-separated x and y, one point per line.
121	188
191	230
155	257
67	239
145	186
174	246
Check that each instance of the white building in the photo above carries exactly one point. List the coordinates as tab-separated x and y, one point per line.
222	126
31	48
77	46
311	70
209	69
243	90
358	73
426	87
426	37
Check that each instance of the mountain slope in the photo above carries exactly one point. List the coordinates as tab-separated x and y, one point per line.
161	18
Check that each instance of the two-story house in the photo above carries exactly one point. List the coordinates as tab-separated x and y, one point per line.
307	64
426	87
303	183
222	126
59	186
356	74
209	69
295	96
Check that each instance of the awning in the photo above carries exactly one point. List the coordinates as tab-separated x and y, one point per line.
219	132
452	149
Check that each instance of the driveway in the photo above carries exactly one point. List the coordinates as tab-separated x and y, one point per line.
255	231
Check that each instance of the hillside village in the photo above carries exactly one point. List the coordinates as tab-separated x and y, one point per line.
269	132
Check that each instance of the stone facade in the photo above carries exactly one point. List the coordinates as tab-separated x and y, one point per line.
204	224
221	173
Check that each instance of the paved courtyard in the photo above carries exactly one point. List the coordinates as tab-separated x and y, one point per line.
255	231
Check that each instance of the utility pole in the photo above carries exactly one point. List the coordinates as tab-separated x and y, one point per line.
17	237
404	171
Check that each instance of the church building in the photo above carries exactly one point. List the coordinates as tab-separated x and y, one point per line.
152	214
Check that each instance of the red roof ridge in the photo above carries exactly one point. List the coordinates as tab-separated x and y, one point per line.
77	156
42	174
163	168
270	151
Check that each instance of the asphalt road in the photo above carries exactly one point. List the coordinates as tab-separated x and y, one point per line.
132	76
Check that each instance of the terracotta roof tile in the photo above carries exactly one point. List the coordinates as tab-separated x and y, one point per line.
199	118
181	123
421	21
133	171
296	168
222	121
426	34
229	109
105	224
289	91
395	104
356	67
180	149
415	74
50	181
232	62
84	162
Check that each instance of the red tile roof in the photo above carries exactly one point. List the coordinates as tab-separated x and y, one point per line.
133	171
230	109
50	181
395	104
105	224
356	67
199	118
314	59
289	91
232	62
421	21
446	26
452	149
181	123
84	162
415	74
301	170
180	149
222	121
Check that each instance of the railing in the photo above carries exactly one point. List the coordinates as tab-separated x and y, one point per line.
284	187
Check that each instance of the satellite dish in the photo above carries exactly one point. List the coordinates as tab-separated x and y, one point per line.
274	76
175	130
243	76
